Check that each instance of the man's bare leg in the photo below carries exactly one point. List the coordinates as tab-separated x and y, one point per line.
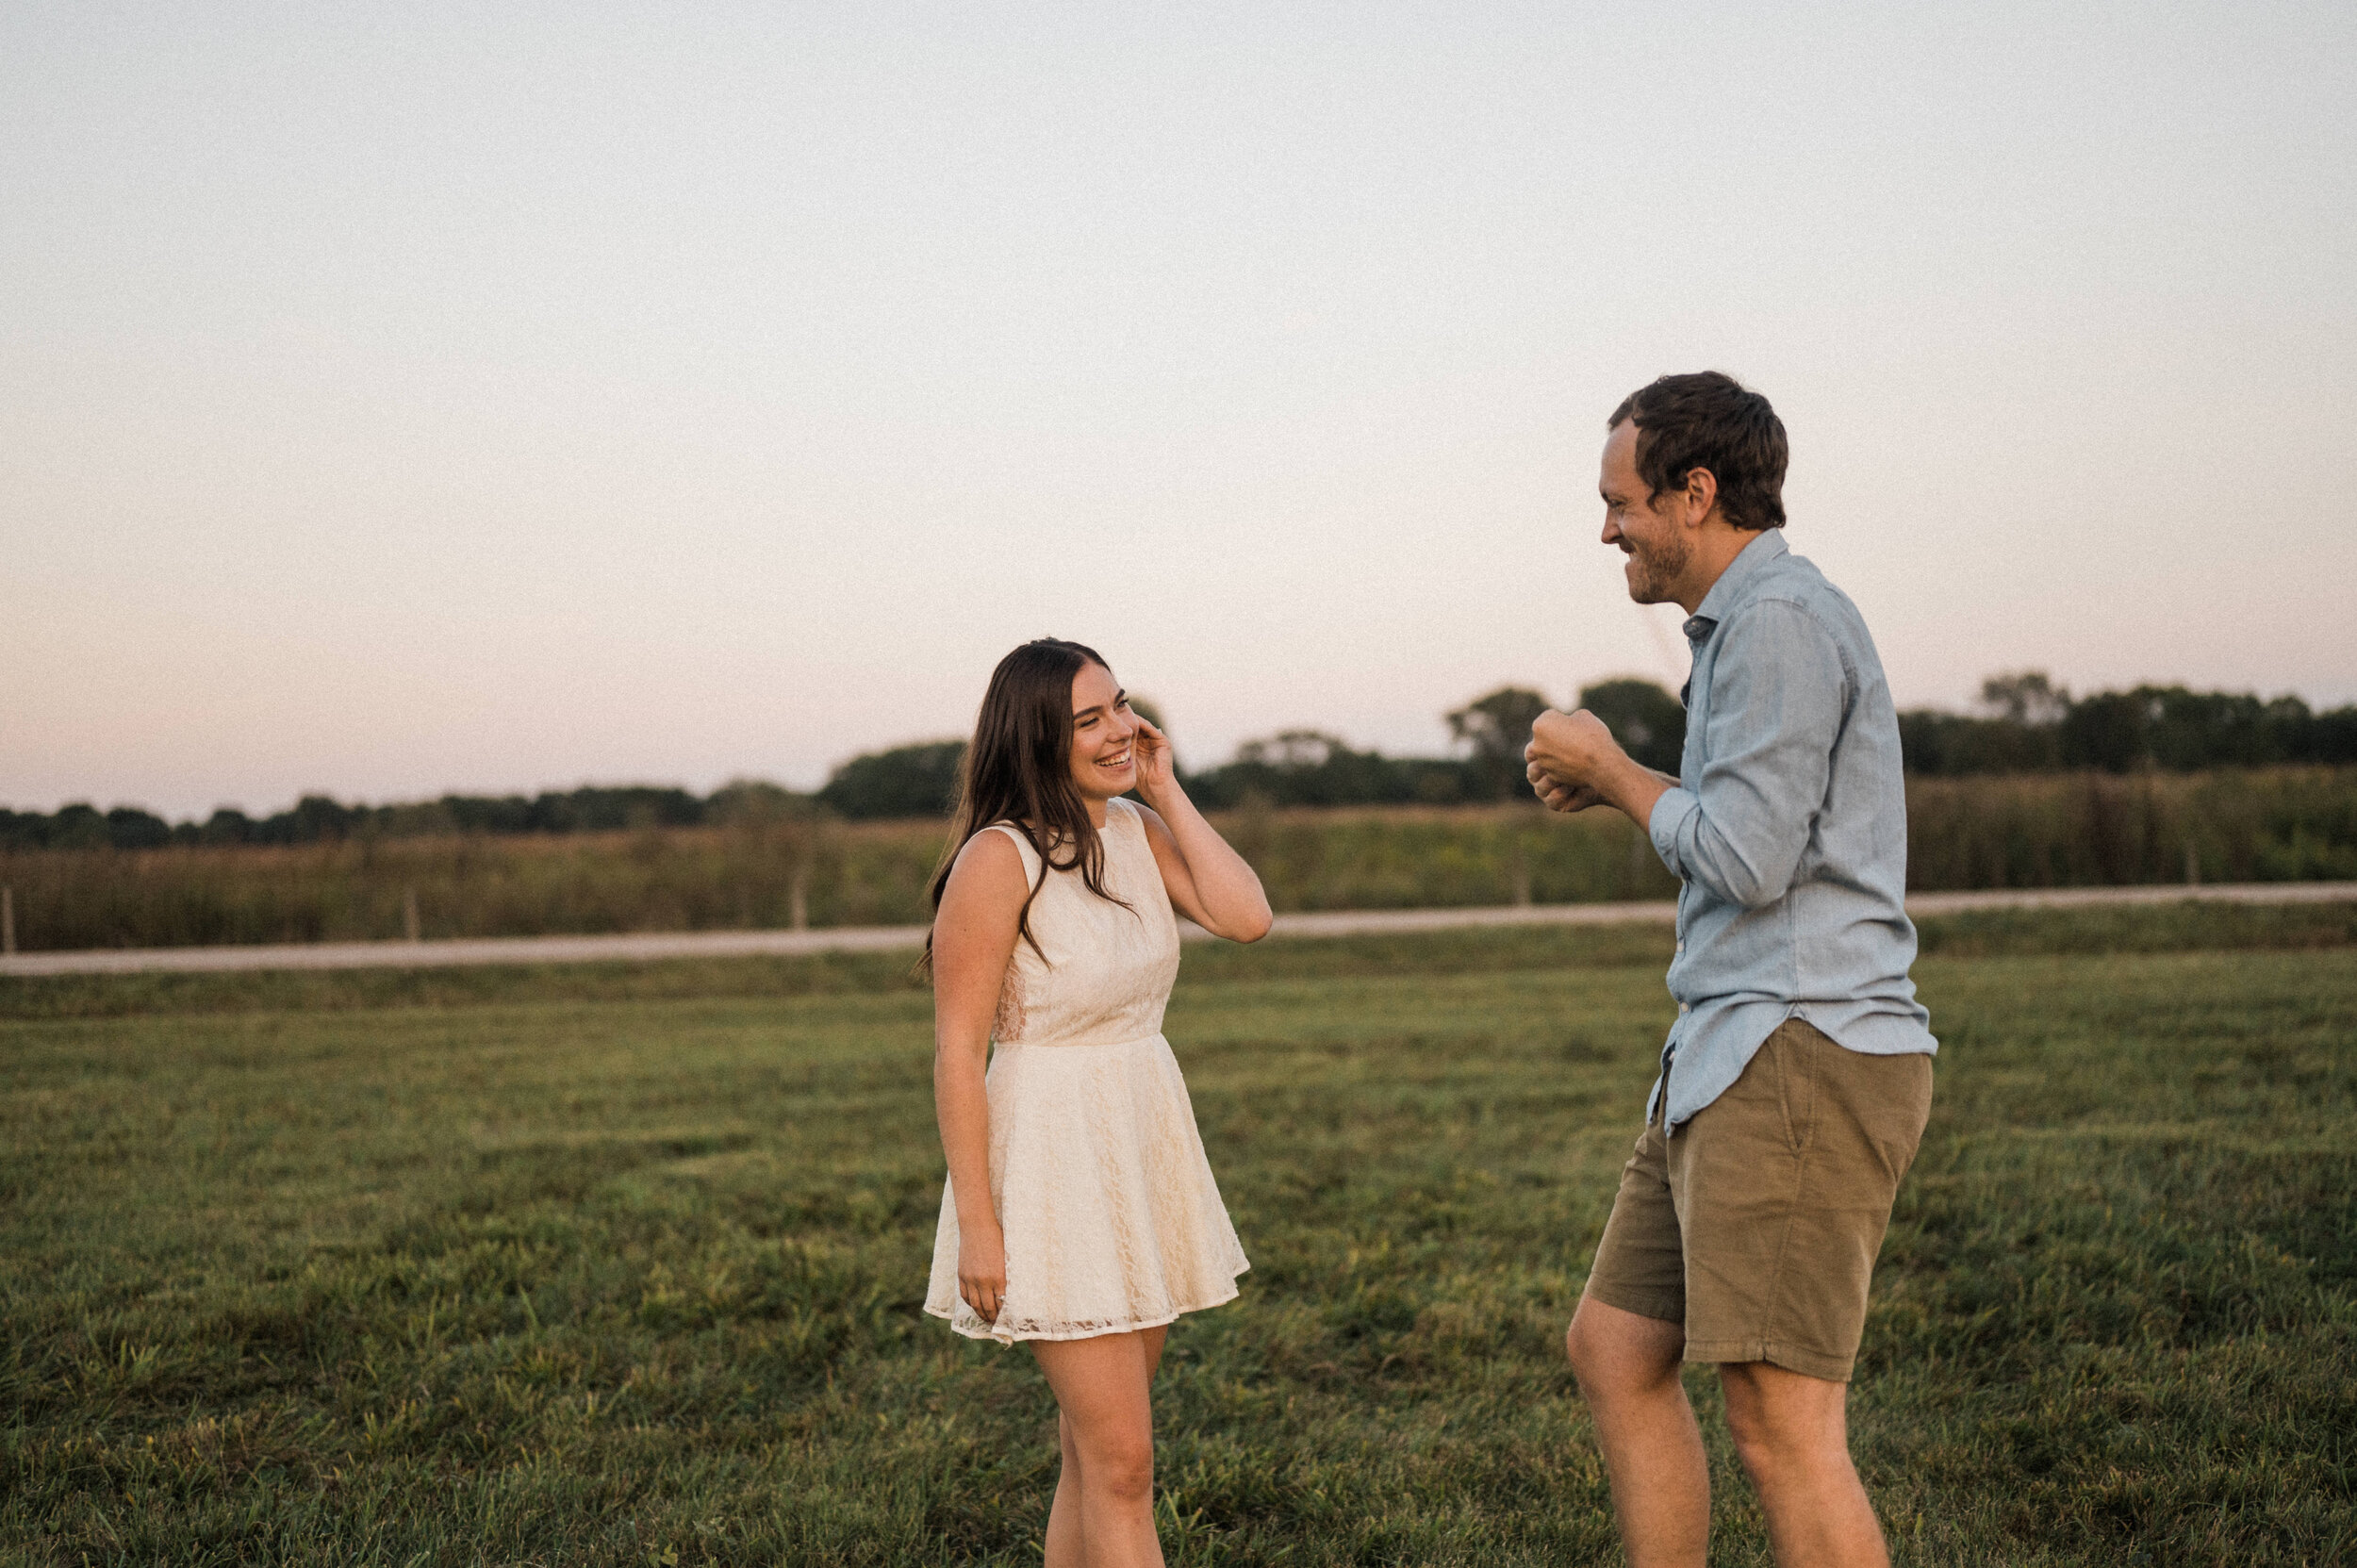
1793	1434
1627	1366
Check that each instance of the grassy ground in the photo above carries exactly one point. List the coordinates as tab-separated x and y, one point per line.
621	1267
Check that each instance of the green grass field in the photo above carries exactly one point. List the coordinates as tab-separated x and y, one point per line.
622	1265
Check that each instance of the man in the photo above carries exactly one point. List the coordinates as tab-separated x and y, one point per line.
1795	1083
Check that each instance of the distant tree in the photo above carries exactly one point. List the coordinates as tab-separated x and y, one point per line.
23	830
316	819
906	780
129	828
2020	730
77	827
1298	751
227	825
497	814
2330	736
1302	768
1956	744
2291	729
2107	731
592	808
1649	724
1497	727
1922	737
2025	697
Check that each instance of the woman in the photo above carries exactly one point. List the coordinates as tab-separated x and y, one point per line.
1079	1215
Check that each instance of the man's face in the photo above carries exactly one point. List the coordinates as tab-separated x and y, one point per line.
1657	549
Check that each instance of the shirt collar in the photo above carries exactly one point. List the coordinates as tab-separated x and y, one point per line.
1748	564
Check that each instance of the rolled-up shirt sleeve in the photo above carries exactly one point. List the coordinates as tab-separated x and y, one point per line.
1777	694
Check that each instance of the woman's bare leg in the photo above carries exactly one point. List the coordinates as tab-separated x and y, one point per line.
1103	1516
1064	1547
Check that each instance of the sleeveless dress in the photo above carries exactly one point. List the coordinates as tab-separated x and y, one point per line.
1112	1221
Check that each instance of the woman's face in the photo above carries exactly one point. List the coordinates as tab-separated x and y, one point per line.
1104	764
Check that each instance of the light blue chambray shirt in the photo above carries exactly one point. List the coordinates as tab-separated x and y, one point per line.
1788	831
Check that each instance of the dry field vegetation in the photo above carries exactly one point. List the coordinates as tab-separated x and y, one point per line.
621	1266
2032	831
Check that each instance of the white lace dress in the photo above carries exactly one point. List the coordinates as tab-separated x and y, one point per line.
1112	1221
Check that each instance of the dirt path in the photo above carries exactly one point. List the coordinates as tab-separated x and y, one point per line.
734	944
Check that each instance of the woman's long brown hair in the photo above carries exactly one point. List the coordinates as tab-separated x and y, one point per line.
1018	770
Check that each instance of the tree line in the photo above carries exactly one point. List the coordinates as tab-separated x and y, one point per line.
2026	725
321	819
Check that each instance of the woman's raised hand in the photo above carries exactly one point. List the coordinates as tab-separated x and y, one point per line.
1158	769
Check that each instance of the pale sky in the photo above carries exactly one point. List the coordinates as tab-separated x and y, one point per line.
406	399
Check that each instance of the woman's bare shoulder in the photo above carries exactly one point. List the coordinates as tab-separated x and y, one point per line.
997	843
989	862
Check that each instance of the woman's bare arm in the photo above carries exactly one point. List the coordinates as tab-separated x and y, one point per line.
974	937
1209	883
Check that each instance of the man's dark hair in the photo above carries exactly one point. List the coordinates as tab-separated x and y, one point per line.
1708	421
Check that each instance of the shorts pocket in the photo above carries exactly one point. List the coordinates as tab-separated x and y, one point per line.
1794	1052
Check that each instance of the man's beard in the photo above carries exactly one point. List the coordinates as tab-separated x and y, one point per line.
1654	569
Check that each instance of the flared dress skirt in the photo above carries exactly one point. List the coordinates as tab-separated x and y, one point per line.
1111	1218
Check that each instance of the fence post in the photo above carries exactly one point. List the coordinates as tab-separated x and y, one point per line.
409	914
7	919
797	900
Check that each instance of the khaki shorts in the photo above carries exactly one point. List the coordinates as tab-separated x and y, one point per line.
1756	1226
